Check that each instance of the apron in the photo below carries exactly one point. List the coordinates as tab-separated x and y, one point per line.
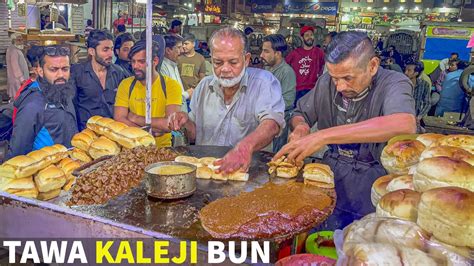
355	170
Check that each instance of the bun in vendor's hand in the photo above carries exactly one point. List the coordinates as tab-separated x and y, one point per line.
237	159
177	120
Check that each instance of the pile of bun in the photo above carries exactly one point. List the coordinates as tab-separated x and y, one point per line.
40	174
44	173
207	170
284	168
105	136
314	174
436	194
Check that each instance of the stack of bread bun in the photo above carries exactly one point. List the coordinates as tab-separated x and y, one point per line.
284	168
40	174
207	170
439	196
104	136
319	175
314	174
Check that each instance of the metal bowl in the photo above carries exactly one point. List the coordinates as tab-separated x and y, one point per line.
170	186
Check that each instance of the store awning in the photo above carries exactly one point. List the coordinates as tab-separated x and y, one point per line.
79	2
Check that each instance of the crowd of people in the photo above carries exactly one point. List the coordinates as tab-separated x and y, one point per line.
356	104
437	93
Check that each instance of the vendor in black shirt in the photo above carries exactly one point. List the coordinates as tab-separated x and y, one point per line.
358	106
96	80
123	44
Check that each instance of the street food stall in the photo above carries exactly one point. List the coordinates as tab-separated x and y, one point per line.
132	195
50	22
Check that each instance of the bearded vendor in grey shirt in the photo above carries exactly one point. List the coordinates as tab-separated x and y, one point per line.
237	106
358	107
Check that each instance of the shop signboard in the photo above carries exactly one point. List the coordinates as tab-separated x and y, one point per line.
443	40
317	8
449	32
265	6
212	9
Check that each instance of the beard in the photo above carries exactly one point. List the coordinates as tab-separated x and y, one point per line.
103	62
139	74
229	82
58	93
309	42
268	63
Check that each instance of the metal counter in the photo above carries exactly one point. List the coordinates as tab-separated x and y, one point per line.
130	215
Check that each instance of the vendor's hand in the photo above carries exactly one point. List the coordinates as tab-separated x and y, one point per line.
177	120
298	150
299	132
237	159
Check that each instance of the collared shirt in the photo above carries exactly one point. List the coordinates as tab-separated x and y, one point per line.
170	69
422	95
285	74
258	98
91	98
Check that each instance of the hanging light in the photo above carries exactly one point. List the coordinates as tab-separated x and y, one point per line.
384	8
459	20
401	8
417	8
369	8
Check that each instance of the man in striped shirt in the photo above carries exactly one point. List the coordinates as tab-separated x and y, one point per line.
421	91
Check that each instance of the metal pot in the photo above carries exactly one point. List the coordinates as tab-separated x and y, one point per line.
170	186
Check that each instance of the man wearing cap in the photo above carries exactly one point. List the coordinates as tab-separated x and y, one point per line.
307	62
191	65
130	106
238	106
358	106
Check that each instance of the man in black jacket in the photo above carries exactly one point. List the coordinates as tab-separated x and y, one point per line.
97	80
46	113
123	44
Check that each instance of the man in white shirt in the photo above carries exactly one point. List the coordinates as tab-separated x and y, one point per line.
444	64
169	67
